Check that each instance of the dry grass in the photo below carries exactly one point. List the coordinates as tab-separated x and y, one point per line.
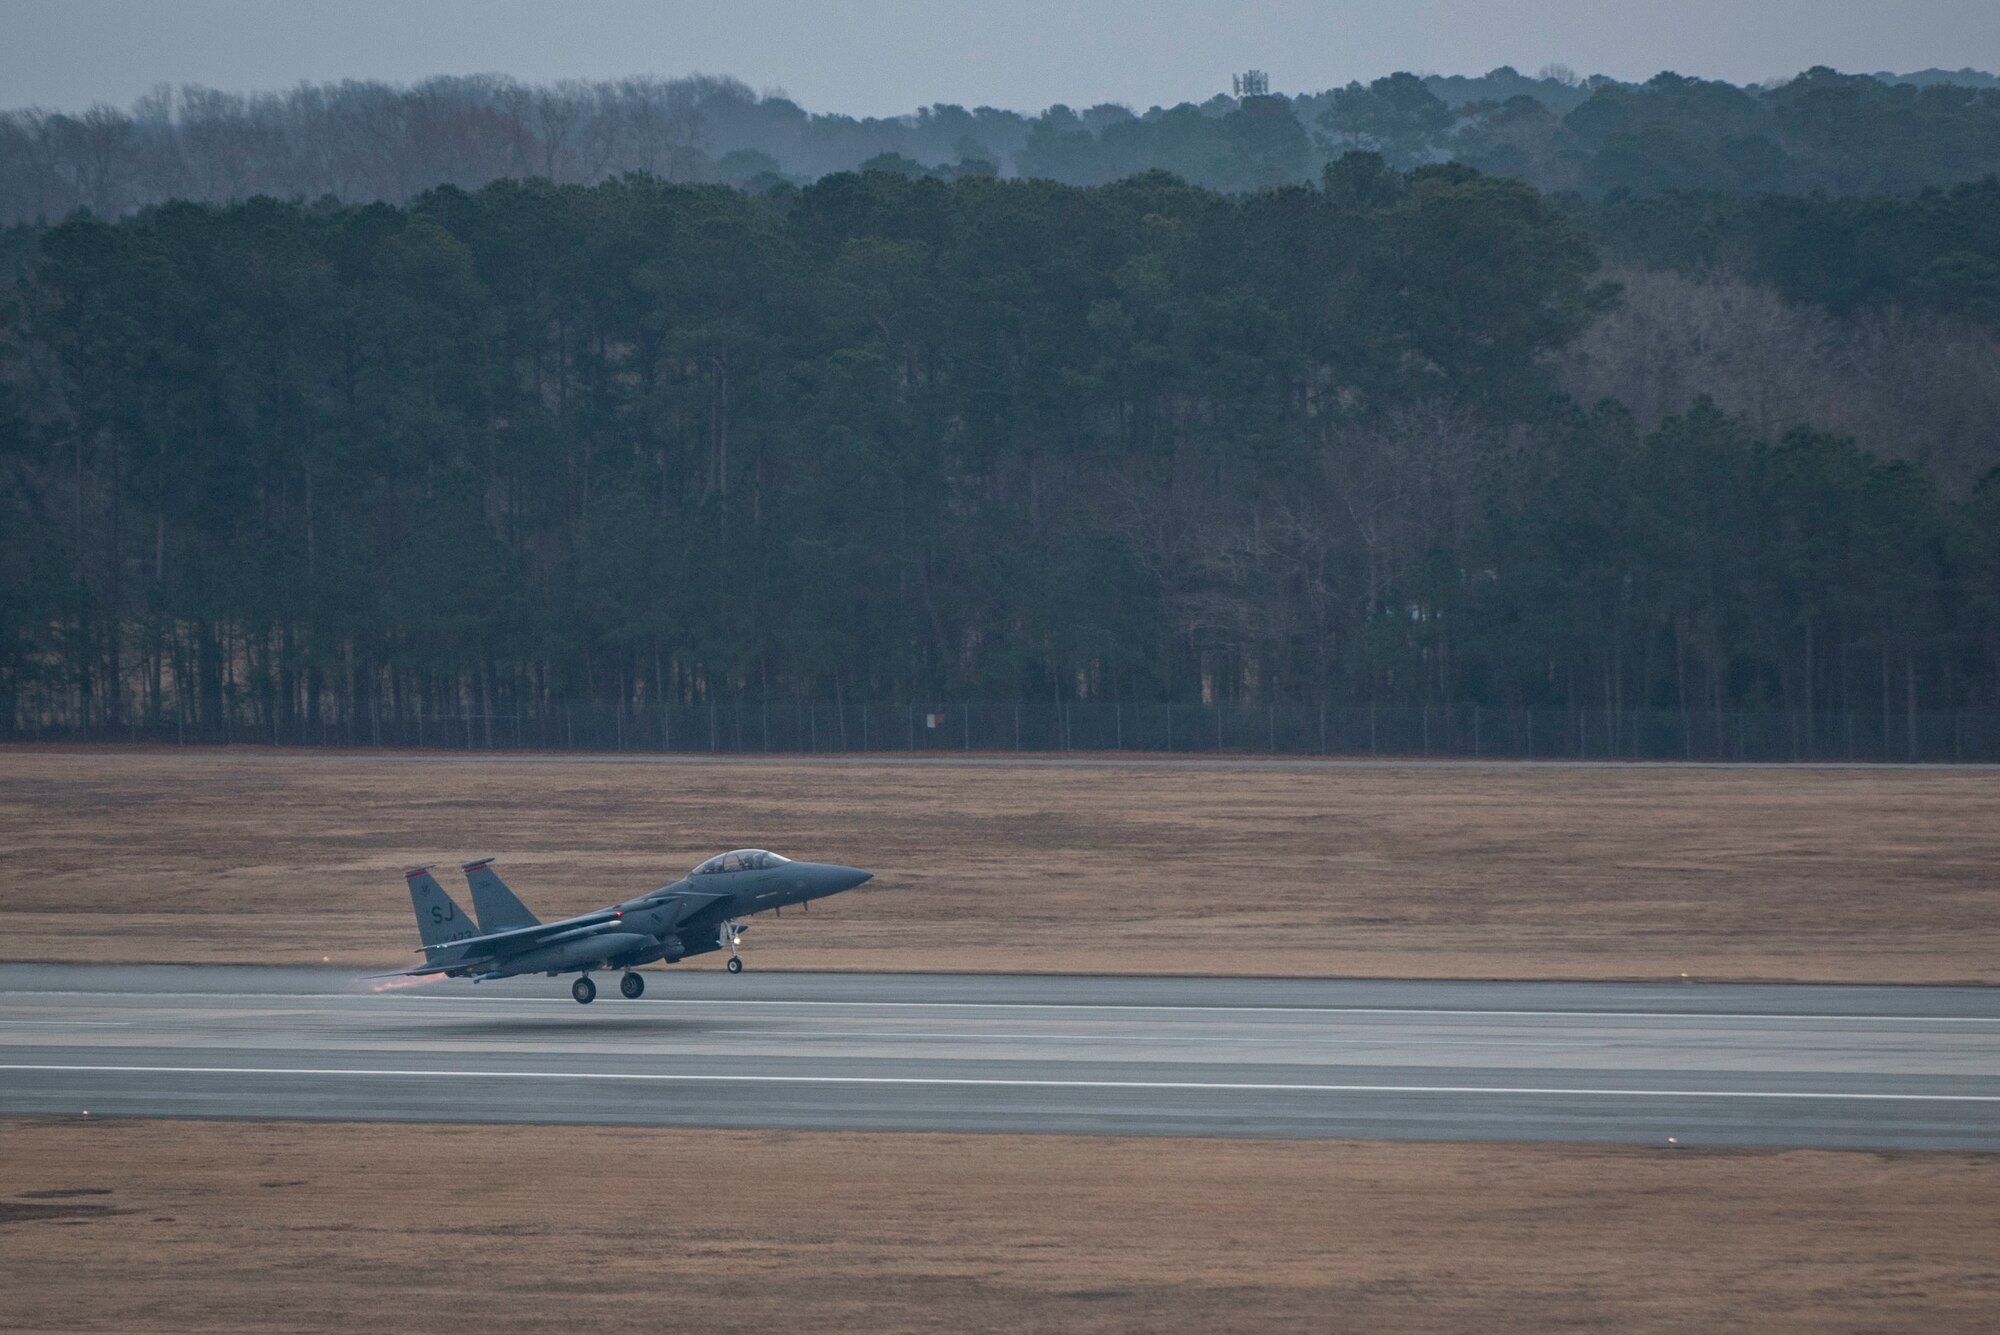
270	1227
1853	875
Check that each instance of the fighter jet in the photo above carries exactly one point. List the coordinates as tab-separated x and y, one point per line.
701	912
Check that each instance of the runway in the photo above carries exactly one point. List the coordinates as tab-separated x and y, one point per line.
1741	1065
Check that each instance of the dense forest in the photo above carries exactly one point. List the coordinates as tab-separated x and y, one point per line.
366	142
1390	438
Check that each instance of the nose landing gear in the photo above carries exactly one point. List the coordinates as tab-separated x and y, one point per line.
732	932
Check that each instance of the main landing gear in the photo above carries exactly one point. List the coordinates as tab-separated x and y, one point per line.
632	986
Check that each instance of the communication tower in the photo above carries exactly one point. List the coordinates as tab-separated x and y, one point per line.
1251	83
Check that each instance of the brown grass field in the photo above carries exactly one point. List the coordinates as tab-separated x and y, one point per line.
162	1226
1881	875
1511	872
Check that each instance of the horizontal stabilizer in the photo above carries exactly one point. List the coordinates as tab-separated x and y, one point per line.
413	971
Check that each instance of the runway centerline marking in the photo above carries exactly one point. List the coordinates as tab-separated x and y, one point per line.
435	999
252	998
977	1081
1226	1040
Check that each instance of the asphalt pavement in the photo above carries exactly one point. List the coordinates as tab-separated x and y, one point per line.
1707	1065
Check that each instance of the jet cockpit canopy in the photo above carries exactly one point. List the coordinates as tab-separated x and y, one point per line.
743	859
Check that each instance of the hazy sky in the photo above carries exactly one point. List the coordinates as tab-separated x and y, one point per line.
886	56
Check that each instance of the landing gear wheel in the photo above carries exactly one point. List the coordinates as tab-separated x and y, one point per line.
583	990
631	985
735	964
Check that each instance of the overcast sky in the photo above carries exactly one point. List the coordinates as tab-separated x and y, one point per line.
874	57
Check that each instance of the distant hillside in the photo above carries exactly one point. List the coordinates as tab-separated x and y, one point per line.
357	142
1968	78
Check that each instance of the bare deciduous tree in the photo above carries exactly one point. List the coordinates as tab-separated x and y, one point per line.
1904	385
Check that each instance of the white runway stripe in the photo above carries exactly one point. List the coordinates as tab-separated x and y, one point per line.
565	1004
988	1082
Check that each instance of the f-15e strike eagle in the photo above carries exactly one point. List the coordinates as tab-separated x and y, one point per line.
701	912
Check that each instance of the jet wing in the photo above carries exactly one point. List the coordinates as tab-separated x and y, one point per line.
521	938
472	951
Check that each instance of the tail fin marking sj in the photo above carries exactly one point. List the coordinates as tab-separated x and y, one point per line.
440	921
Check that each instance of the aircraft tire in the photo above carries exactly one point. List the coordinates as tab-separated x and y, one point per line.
735	964
583	990
632	986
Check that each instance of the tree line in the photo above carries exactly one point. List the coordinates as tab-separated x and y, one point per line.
362	141
895	439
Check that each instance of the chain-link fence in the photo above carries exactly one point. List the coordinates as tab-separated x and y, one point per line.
788	726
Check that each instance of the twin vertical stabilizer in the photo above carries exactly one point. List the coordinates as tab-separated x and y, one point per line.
498	909
440	921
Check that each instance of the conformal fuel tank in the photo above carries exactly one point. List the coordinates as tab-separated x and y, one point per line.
595	949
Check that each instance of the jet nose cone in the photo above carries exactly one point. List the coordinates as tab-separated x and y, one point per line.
827	878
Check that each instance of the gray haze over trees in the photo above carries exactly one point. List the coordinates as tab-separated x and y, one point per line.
362	142
883	57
